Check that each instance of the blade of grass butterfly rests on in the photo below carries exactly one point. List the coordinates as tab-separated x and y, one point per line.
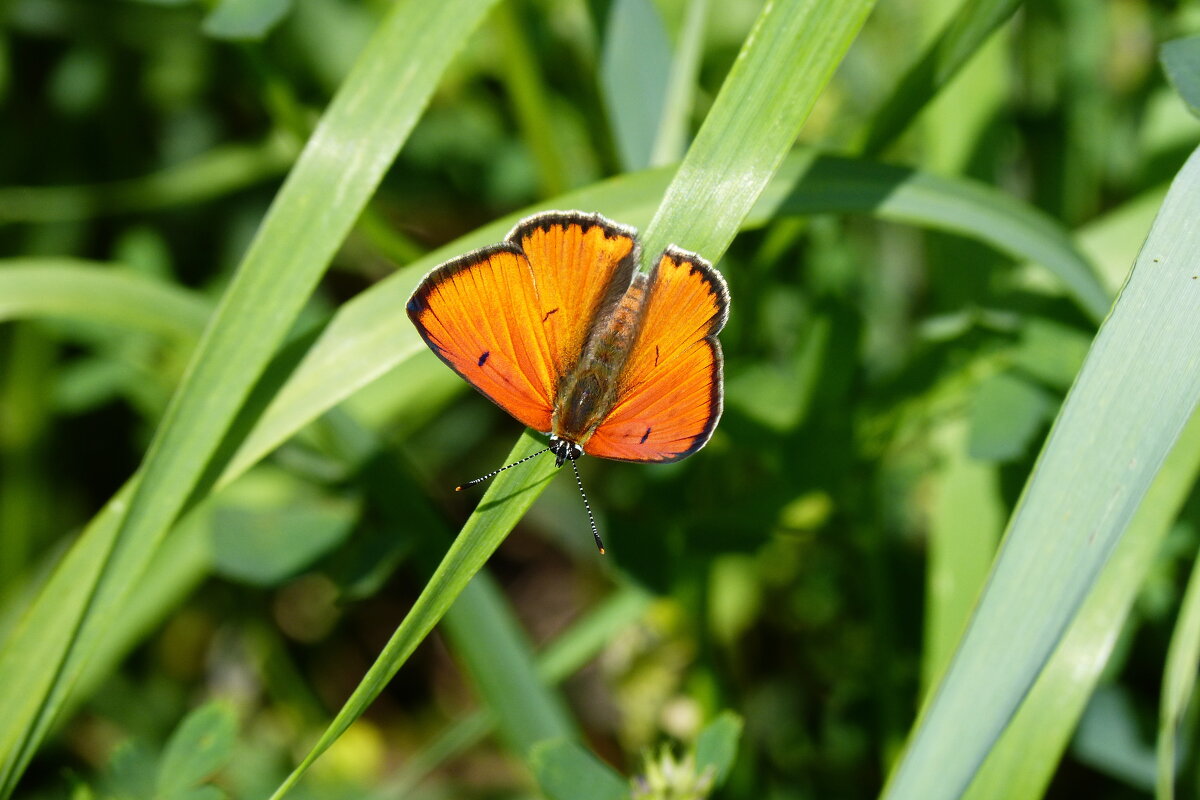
502	506
971	26
786	60
1137	389
1023	762
353	146
367	338
1179	683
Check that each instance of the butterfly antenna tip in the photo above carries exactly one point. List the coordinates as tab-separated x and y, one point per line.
496	472
588	507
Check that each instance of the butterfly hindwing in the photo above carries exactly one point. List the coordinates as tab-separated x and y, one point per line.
511	318
669	393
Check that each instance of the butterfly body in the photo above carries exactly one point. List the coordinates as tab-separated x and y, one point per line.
587	394
555	326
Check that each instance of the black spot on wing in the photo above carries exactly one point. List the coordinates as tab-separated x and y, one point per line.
484	357
645	436
548	313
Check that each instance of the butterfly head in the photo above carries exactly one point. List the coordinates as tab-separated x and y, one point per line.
563	450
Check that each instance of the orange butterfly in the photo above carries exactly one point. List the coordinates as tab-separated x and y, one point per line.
554	326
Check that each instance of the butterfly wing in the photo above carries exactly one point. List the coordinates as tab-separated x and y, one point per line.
669	394
512	318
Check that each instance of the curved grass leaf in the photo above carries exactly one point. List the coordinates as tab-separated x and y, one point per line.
1138	387
343	162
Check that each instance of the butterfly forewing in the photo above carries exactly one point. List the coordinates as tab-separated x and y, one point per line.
513	318
582	266
669	392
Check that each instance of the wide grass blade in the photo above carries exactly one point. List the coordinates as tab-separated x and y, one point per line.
354	144
1138	387
717	185
1023	762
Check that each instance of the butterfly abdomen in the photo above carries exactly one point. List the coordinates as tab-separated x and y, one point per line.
588	392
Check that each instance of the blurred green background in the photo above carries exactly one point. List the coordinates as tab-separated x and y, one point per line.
888	389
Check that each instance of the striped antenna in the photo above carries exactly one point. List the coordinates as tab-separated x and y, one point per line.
496	472
587	505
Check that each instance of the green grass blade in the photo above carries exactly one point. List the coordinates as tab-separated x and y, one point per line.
97	292
1137	389
1179	682
962	37
1024	761
788	58
214	174
354	144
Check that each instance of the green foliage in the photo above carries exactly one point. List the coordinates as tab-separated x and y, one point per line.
232	565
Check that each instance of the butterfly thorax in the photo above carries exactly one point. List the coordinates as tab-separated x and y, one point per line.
587	393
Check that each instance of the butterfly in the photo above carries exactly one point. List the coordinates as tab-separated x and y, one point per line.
557	327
